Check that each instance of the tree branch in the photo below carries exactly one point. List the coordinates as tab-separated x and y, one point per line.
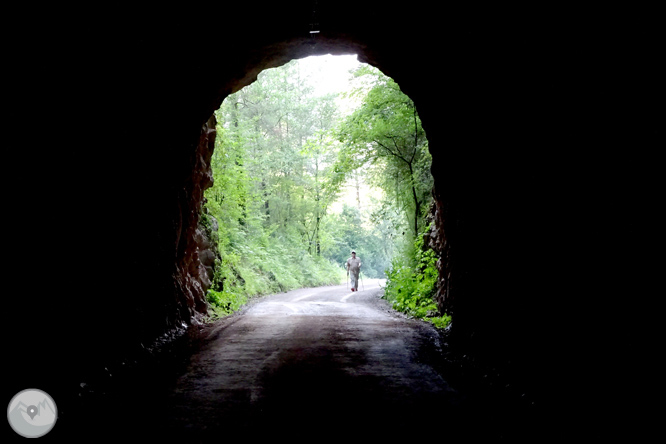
399	156
416	130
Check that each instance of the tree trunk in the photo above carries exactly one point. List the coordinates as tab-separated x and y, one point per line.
358	192
417	204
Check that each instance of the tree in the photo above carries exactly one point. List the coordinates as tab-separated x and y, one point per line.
282	156
320	151
385	133
272	185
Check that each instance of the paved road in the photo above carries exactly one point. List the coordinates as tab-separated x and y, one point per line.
323	360
307	365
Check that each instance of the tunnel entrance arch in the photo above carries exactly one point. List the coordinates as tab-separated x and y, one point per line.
284	156
278	54
479	188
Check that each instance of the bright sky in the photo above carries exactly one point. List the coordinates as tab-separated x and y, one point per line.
330	73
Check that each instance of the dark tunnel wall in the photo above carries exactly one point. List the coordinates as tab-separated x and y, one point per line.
541	131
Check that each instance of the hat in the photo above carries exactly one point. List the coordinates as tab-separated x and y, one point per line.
353	252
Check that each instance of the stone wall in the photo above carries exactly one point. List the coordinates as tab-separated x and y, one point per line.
438	242
192	278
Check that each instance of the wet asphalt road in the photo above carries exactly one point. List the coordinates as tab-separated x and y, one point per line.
323	360
306	365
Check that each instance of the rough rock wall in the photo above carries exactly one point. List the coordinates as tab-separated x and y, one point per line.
437	241
192	269
206	239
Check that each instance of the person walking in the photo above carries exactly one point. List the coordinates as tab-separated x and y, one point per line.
353	266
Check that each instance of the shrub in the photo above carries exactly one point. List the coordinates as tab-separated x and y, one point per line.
258	268
410	285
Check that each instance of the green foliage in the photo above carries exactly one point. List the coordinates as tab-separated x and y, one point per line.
282	157
225	303
272	185
385	135
410	286
374	242
440	321
258	271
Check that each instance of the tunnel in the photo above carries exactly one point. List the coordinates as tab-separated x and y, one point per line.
541	131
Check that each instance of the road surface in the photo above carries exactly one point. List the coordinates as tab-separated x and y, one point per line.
311	360
306	365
